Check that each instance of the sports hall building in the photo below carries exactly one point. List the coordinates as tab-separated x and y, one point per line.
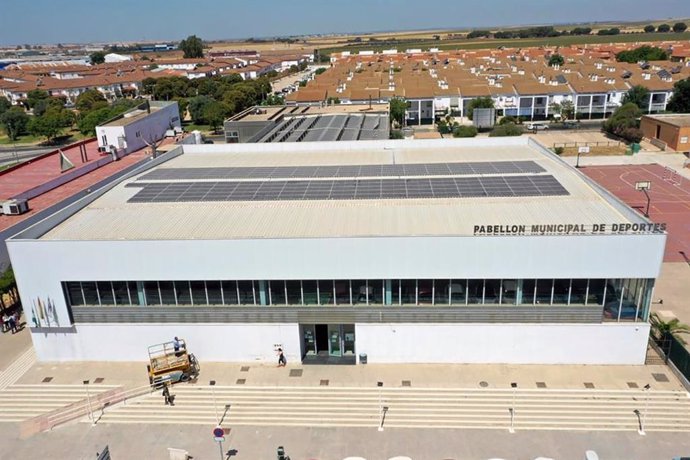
426	251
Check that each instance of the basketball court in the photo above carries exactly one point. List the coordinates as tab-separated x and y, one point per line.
669	200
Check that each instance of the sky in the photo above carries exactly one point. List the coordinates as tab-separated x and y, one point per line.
79	21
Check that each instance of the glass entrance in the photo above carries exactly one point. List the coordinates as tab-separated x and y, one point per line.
328	343
334	340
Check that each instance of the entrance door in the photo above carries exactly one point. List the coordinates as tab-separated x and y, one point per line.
321	339
309	340
334	339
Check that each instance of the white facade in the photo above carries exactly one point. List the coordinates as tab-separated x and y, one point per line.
137	128
57	252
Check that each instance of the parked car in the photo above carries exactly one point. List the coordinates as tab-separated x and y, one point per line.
537	126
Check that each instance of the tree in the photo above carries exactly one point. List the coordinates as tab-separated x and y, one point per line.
625	123
14	121
4	105
662	329
397	107
679	27
643	53
663	28
649	29
274	99
680	100
565	109
464	131
97	57
35	95
479	103
192	47
197	106
505	130
638	95
41	106
49	125
556	59
87	124
89	100
214	114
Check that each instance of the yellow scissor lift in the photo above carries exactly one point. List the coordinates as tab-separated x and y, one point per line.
169	366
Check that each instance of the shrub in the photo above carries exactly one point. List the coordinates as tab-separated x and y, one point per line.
508	129
396	134
558	150
508	119
465	131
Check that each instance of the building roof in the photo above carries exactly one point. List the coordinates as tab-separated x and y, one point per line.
678	120
114	217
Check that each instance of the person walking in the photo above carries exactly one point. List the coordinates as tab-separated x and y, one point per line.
281	358
166	396
13	323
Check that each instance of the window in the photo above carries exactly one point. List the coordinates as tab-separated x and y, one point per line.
215	294
138	134
230	296
167	290
74	292
90	293
247	292
475	292
684	140
277	292
151	293
458	292
182	291
198	292
325	292
122	293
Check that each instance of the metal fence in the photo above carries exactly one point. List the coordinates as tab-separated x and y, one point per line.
674	353
588	144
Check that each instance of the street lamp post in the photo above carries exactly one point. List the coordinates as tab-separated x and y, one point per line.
513	385
212	384
646	407
88	399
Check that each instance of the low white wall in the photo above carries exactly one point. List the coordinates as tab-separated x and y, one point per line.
209	342
503	343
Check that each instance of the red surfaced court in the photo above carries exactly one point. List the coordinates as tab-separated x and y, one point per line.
670	200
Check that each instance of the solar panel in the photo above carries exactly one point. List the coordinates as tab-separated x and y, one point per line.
402	170
363	189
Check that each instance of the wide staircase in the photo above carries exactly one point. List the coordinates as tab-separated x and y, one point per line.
406	407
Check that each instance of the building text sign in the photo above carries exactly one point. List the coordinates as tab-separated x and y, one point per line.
569	229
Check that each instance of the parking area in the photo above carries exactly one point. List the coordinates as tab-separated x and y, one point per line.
669	200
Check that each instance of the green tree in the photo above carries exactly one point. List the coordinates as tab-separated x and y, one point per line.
48	125
556	59
679	27
479	103
214	114
464	131
35	95
87	124
89	100
14	122
274	99
97	57
565	109
649	29
4	105
397	108
320	70
625	123
43	105
197	106
680	100
508	129
662	329
643	53
192	47
663	28
638	95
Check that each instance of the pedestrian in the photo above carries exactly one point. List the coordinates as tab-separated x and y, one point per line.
5	323
281	358
166	396
176	346
15	315
13	324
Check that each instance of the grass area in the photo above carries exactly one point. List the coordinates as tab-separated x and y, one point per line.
189	127
597	150
28	139
517	43
73	136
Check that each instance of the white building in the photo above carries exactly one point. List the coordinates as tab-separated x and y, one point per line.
139	127
440	251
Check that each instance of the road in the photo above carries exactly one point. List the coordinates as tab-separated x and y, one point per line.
295	78
9	155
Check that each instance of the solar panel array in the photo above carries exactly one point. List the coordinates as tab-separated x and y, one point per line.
289	172
363	189
340	127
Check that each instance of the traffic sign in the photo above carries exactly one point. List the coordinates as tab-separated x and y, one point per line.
584	149
219	438
218	432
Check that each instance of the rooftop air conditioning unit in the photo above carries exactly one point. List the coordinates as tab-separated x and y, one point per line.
15	207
